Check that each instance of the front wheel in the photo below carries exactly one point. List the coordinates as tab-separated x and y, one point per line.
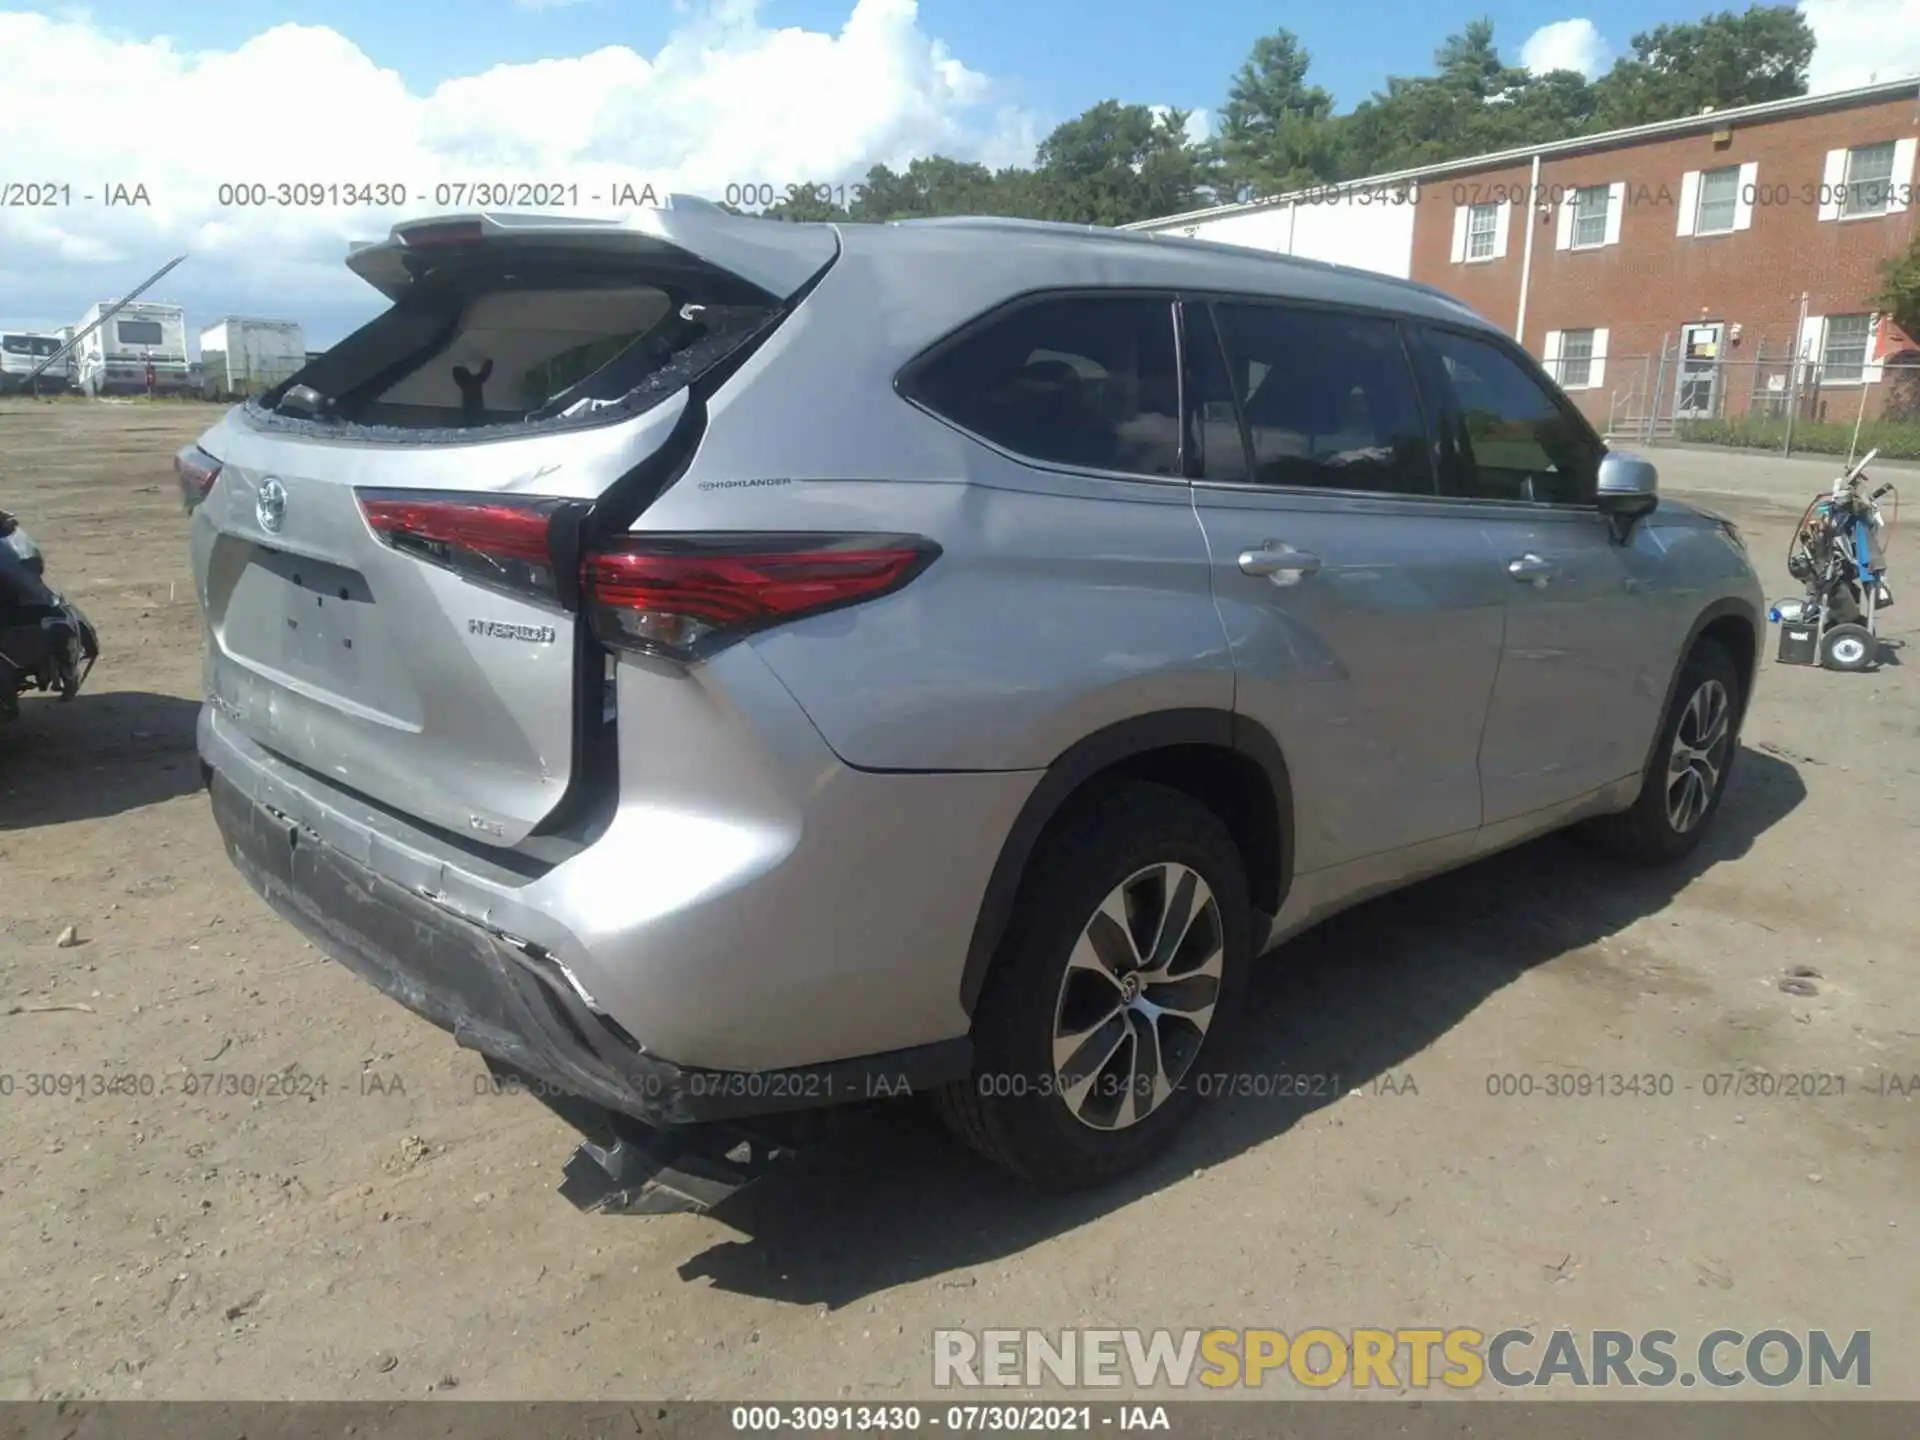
1681	791
1121	966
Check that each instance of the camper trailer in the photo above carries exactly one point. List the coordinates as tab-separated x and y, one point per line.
241	356
112	359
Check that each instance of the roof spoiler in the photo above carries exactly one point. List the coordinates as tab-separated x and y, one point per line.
776	256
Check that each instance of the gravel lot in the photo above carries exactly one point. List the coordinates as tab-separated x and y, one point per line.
398	1233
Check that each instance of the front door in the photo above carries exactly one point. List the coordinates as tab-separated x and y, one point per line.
1577	693
1696	394
1364	611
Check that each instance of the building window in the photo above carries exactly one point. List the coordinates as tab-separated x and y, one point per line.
1482	221
1719	201
1576	359
1843	359
1590	216
1869	185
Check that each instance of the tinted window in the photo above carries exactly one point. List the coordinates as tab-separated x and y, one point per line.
1510	440
1087	381
139	332
1328	399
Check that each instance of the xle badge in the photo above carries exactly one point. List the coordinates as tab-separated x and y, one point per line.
505	630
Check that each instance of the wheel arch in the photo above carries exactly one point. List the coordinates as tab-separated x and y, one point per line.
1227	762
1733	625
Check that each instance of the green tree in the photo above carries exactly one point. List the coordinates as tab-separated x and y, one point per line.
1469	64
1474	102
1900	288
934	185
1276	131
1900	297
1115	163
806	205
1723	60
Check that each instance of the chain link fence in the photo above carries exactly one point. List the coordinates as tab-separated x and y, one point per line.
1767	398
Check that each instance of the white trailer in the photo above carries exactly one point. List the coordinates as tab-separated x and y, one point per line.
242	355
113	358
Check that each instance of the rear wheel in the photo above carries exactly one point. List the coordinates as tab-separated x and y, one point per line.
1121	966
1688	774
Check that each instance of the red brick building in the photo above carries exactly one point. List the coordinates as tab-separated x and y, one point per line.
1737	241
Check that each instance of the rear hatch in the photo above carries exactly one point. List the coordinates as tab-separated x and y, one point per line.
386	546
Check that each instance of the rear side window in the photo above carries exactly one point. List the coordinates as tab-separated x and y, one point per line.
1508	439
506	349
1088	381
1329	400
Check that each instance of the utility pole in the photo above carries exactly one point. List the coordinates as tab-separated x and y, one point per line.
1793	374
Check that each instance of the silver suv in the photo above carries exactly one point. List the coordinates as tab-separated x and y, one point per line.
718	667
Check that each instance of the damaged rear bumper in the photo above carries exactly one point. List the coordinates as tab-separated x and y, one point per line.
510	1002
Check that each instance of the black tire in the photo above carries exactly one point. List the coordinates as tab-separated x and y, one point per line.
1647	833
1849	648
1013	1109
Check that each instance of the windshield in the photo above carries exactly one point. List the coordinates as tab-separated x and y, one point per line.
39	346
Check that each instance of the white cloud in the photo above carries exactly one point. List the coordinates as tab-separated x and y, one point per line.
724	101
1859	41
1567	45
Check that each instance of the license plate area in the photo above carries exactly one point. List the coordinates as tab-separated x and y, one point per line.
303	617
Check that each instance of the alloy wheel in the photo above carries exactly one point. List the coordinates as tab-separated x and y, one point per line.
1699	755
1138	996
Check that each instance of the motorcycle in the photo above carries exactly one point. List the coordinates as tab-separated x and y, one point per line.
46	643
1838	552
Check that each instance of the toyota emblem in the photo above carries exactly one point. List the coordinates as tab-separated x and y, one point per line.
270	506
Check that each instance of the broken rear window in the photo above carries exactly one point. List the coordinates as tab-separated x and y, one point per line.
489	348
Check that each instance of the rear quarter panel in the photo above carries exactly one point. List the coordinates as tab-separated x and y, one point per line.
1061	602
1050	613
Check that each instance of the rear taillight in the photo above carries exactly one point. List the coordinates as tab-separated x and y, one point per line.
686	596
501	543
197	470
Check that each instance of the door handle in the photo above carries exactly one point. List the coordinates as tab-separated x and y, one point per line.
1533	569
1277	560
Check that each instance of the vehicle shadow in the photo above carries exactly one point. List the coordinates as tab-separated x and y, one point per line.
102	753
892	1199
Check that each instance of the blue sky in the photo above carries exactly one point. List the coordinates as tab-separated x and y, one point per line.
686	95
1055	56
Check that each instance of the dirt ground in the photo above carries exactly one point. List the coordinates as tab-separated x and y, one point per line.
398	1234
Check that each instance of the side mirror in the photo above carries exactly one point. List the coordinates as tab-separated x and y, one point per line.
1629	491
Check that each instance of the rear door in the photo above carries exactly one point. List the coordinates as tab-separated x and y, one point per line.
1580	683
1364	611
387	558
